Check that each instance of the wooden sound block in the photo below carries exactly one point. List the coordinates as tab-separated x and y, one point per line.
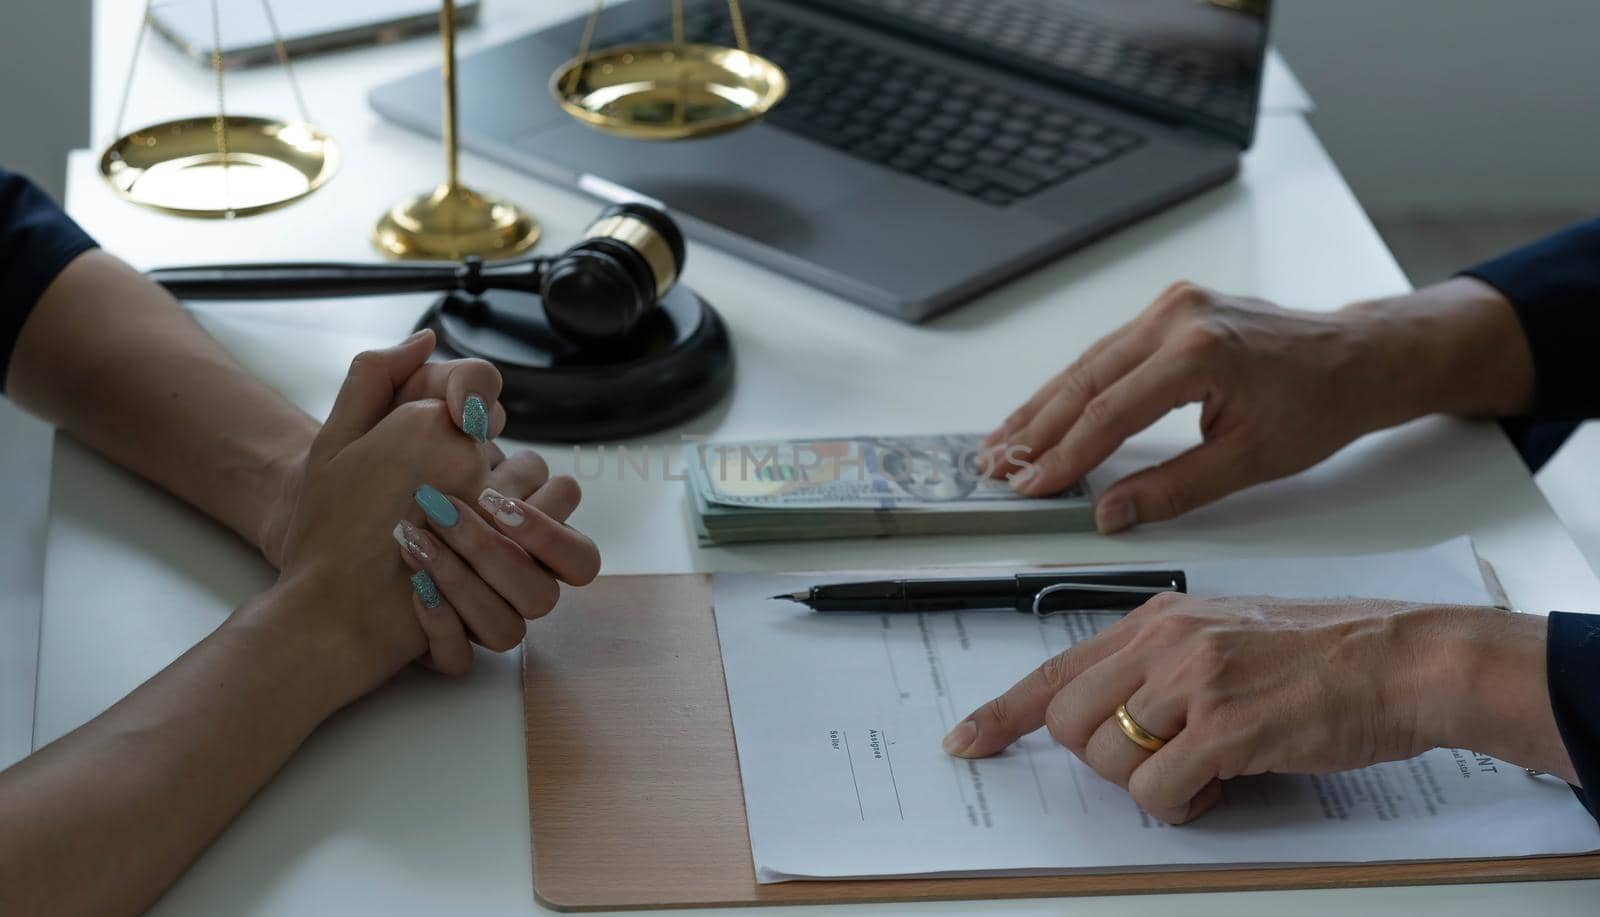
675	366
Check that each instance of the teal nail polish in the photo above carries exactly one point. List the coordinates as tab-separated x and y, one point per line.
426	590
437	506
475	419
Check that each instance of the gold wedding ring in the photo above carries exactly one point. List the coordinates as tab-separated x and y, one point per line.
1136	733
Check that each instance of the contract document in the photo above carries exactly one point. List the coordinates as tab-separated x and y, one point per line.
838	718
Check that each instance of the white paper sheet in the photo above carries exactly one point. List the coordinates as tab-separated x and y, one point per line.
838	720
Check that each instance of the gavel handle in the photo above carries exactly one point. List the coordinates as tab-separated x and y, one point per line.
311	280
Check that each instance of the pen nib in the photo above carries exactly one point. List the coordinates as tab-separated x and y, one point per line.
792	596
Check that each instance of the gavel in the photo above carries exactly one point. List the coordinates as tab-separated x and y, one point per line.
597	292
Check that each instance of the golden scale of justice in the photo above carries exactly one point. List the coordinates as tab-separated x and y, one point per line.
227	166
598	342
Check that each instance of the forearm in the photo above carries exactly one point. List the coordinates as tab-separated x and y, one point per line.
1456	347
1482	685
113	359
104	819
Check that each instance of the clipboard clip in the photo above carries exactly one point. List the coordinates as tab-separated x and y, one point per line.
1039	597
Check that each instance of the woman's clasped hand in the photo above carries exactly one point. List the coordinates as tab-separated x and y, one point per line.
405	456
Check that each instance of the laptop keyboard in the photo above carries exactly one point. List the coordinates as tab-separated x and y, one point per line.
971	137
1066	40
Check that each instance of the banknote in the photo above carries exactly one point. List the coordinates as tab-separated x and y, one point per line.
878	472
865	485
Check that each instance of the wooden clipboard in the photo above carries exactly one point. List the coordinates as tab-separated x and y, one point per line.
635	800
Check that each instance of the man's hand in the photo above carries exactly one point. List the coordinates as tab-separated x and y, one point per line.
1280	390
1257	685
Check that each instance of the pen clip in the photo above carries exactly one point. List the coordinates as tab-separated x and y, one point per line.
1038	597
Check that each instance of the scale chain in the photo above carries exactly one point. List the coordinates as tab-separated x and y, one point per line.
133	66
283	58
583	47
220	126
736	14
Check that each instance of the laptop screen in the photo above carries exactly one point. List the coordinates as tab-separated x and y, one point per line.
1195	61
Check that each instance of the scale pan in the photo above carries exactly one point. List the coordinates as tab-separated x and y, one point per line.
176	166
664	91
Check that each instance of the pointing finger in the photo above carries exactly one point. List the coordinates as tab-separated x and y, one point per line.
1021	709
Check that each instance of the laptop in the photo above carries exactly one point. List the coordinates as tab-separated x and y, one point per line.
249	29
928	150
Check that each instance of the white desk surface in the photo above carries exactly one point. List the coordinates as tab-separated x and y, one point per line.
172	85
24	490
413	801
23	468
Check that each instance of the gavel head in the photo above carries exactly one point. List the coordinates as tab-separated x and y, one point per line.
600	290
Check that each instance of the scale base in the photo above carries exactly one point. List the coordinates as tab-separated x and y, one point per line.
676	365
453	222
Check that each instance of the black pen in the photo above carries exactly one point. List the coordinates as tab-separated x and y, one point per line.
1029	593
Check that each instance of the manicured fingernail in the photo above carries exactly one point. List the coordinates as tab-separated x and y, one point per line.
437	506
503	509
426	590
1113	516
961	737
475	419
412	540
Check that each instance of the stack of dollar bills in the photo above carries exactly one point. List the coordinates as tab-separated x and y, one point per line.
864	486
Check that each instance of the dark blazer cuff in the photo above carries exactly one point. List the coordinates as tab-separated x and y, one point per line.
1554	286
1572	665
37	242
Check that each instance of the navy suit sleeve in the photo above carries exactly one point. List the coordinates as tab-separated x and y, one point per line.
1572	661
1554	285
37	241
